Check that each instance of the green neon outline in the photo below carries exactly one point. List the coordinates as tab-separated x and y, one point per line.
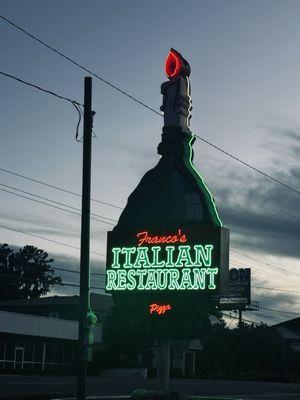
128	251
111	275
174	285
161	273
186	273
200	250
199	278
170	256
122	279
207	191
151	280
143	280
142	251
156	263
116	257
187	261
212	272
131	280
141	273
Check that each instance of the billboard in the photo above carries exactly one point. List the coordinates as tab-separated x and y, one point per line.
239	285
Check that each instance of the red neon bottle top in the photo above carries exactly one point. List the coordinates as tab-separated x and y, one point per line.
176	65
173	64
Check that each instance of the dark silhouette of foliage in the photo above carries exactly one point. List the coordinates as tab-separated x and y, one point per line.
26	273
247	352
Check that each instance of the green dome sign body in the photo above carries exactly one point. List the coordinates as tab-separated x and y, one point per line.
167	258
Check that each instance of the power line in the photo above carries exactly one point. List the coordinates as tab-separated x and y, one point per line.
144	104
102	255
276	290
235	251
80	65
73	271
22	176
280	311
74	285
51	205
248	165
264	262
40	88
56	187
264	272
48	240
22	279
53	201
133	98
75	103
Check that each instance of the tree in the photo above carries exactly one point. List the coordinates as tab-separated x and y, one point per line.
26	273
248	352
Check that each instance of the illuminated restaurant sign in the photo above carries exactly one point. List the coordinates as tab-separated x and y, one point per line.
181	259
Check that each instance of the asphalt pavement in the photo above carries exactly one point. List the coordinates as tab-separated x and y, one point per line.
104	388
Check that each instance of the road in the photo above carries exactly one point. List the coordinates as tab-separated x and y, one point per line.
63	385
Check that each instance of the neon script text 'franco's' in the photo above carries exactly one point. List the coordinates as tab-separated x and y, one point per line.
145	238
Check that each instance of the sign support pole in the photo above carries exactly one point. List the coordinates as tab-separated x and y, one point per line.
163	363
85	241
240	318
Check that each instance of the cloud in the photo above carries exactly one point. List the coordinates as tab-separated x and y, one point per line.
263	216
290	133
32	224
73	265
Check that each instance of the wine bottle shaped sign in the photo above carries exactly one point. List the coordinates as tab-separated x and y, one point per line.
167	257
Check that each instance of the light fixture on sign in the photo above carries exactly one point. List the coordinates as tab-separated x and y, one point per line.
176	65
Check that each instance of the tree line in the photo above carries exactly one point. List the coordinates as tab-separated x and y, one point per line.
25	273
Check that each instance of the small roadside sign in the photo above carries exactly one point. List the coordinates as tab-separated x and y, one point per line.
239	285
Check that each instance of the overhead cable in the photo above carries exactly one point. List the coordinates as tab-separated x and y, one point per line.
249	165
57	207
56	187
276	290
42	42
118	207
135	99
264	262
48	240
279	311
75	103
40	88
22	279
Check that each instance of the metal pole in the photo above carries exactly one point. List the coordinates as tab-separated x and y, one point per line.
85	240
163	367
240	318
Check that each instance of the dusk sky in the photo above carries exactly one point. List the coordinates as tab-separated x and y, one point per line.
245	81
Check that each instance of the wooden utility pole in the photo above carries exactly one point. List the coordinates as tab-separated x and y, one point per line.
85	241
240	318
163	367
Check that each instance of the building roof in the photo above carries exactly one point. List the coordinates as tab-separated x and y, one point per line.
101	302
41	326
292	325
55	300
